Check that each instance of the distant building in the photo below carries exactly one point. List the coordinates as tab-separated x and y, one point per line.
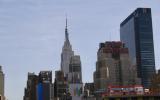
66	54
30	90
60	86
137	34
75	73
44	87
113	66
89	92
155	83
45	76
1	83
44	91
75	78
89	89
39	87
71	67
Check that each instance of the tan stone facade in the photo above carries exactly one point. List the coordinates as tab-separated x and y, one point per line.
113	66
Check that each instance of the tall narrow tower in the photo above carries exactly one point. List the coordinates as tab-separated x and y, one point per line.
1	82
71	67
67	53
137	33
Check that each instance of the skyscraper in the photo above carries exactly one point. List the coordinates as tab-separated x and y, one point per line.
60	85
39	87
1	82
30	90
136	32
44	86
71	67
75	78
67	53
75	74
113	66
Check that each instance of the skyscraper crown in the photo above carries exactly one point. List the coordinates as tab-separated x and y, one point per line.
66	32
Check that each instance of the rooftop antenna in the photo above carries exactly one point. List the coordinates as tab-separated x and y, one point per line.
66	21
66	30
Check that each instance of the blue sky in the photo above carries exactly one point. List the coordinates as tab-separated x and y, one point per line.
32	34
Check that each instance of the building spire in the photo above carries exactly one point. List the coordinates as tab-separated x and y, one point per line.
66	22
66	31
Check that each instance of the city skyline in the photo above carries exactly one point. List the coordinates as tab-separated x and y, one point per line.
32	35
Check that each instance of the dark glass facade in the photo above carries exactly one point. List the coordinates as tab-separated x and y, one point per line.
136	32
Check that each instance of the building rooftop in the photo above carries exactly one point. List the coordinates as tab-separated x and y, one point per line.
133	14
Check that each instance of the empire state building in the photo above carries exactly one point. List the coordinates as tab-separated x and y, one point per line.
67	53
71	67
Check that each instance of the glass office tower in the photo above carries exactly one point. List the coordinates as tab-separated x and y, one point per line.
136	32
